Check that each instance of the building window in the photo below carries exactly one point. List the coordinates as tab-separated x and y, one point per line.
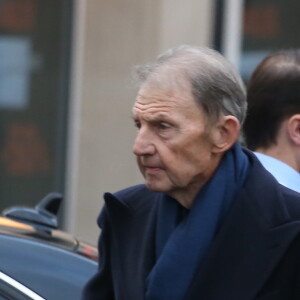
268	25
34	72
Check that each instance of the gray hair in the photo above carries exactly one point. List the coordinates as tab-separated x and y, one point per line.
215	84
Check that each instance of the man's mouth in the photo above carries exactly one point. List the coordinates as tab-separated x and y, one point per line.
152	169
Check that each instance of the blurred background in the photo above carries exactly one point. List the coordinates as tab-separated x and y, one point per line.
66	90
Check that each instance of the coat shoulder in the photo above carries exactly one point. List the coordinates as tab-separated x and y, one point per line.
135	198
292	202
275	203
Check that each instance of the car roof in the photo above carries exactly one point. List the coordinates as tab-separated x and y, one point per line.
33	251
37	233
52	272
40	224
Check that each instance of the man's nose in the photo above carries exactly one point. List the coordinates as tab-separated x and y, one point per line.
143	144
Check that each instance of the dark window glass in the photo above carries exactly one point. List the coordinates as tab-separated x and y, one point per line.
34	64
269	25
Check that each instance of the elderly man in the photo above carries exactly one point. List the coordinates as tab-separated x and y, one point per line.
210	222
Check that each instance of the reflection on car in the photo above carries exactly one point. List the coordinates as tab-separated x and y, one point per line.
38	261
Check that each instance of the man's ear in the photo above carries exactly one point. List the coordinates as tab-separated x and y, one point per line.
225	133
293	127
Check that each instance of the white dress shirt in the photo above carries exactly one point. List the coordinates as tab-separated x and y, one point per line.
283	173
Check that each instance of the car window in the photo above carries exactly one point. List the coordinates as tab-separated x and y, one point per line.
2	298
13	290
10	293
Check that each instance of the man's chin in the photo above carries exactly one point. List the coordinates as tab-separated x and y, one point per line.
156	187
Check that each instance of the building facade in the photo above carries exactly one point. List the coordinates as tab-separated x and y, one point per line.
66	89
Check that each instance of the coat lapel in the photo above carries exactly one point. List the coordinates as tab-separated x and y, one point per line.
133	228
249	245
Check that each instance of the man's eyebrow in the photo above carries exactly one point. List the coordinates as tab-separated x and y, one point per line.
158	116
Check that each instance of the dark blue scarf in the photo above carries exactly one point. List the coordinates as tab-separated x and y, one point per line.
181	244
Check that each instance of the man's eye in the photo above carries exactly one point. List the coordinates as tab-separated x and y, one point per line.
164	126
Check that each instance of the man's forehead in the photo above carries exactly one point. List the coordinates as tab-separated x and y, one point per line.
144	100
155	107
152	106
162	98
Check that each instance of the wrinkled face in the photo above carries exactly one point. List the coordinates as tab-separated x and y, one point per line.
173	146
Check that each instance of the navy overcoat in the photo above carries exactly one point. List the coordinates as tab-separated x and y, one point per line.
254	256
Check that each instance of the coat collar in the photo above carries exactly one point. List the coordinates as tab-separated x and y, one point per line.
132	217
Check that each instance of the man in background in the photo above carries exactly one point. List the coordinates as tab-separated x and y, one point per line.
272	126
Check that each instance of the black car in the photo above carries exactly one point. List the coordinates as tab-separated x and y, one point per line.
38	261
